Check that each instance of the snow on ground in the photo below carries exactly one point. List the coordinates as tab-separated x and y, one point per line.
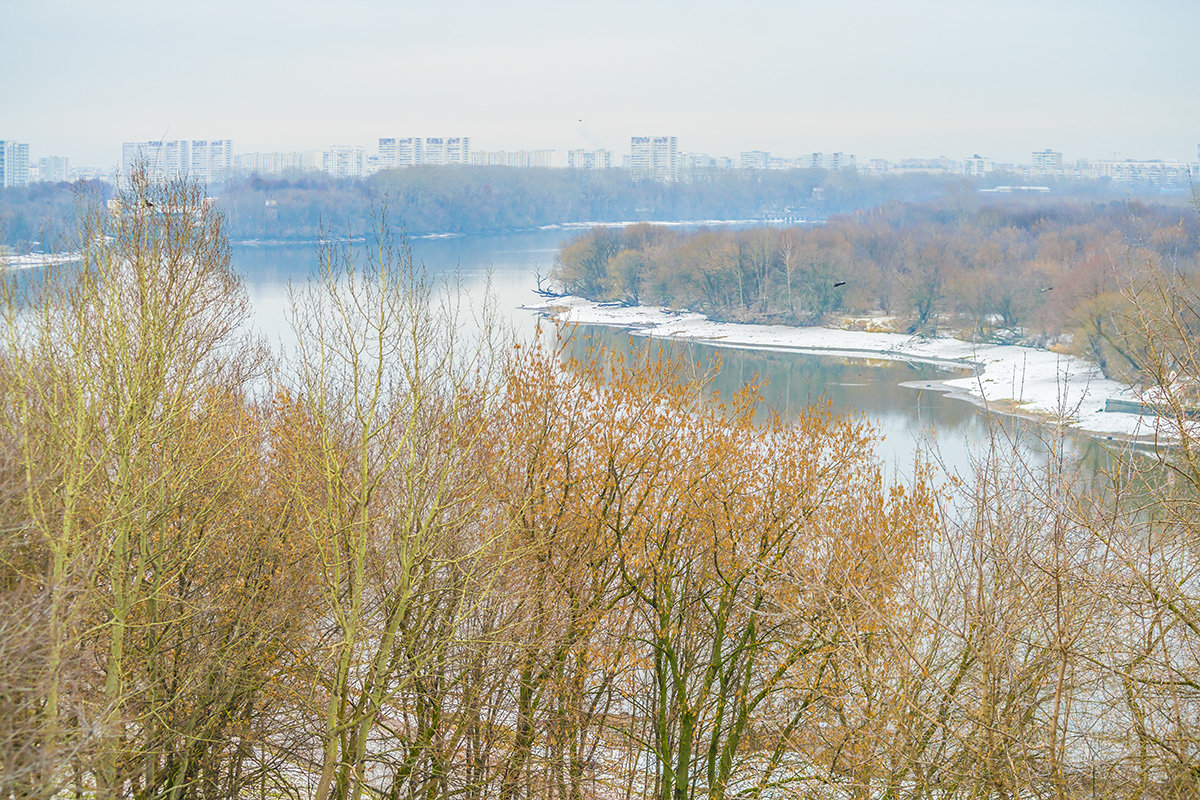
33	260
1008	378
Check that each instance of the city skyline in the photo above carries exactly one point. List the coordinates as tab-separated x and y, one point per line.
389	152
656	158
926	78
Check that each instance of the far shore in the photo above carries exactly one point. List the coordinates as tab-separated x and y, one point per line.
1008	379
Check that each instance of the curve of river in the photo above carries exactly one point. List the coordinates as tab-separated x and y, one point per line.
900	399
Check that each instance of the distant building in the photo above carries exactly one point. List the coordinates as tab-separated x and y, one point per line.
162	160
53	169
513	158
415	151
654	158
877	166
1047	162
14	163
694	166
277	163
434	152
207	160
589	159
834	162
344	161
94	172
976	166
409	152
387	153
458	150
1151	173
211	160
438	151
753	159
930	166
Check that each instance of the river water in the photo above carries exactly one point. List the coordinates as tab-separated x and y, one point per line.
912	420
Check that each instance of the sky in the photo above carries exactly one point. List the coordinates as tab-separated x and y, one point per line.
877	78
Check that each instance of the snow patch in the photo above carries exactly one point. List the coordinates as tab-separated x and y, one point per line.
34	260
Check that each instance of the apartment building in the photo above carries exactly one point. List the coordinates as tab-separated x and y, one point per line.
589	159
513	158
431	151
654	158
206	160
14	163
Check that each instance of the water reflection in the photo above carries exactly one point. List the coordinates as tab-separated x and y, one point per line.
502	267
912	422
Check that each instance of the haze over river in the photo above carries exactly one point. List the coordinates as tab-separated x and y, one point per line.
911	420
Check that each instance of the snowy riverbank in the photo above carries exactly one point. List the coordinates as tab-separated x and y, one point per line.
1008	378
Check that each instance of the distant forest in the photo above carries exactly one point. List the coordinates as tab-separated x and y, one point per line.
1040	271
467	200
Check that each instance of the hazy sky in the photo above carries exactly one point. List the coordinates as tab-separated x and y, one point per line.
878	78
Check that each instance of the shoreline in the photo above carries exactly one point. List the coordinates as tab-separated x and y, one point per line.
1012	380
565	227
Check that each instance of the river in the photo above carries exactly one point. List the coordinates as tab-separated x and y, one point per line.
911	421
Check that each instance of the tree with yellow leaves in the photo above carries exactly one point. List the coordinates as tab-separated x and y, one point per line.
739	553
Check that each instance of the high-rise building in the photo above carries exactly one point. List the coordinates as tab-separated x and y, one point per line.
458	150
410	152
211	160
162	160
415	151
207	160
654	158
434	151
387	153
14	163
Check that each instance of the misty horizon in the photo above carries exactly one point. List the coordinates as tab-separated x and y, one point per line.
928	79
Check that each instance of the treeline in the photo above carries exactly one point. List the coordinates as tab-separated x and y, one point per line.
1037	271
397	564
484	199
306	206
44	216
